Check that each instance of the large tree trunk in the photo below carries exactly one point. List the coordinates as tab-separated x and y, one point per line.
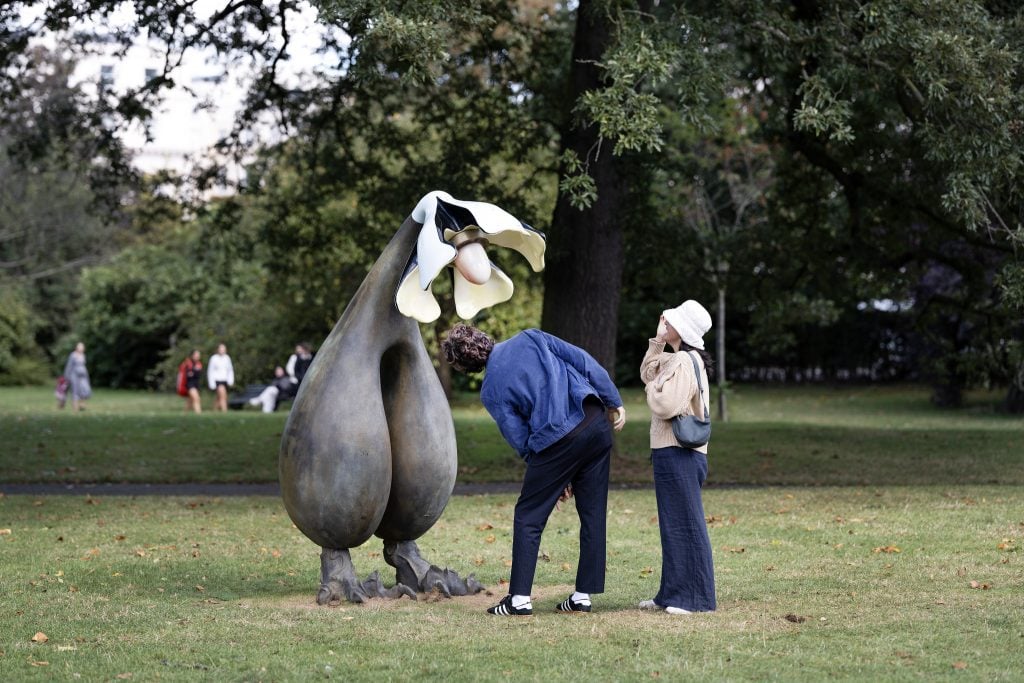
583	276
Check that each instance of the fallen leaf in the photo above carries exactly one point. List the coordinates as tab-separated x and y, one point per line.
200	588
795	618
35	663
730	549
92	501
1006	544
5	532
40	637
125	676
646	570
120	537
275	553
485	527
981	586
507	563
566	566
959	666
490	538
889	549
478	561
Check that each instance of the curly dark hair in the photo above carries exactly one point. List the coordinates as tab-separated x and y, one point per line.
467	348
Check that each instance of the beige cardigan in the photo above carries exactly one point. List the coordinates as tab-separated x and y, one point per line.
671	388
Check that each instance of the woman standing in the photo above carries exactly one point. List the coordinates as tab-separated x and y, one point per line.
77	376
220	375
676	384
191	370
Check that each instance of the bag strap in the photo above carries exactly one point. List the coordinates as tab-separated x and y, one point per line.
700	385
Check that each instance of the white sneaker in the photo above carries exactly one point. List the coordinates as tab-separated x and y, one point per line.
677	610
649	604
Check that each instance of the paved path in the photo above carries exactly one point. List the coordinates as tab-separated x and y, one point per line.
219	490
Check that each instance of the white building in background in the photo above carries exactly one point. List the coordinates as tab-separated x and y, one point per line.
201	107
190	118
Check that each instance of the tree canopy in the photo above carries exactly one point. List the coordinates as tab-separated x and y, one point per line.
846	175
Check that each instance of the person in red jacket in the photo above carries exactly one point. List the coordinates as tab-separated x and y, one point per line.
190	375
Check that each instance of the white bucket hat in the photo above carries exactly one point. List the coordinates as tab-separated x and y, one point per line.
691	320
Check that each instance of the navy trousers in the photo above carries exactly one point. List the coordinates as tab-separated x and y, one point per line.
687	571
581	459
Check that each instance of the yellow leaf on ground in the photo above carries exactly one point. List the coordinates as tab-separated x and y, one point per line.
886	549
40	637
5	532
490	539
485	527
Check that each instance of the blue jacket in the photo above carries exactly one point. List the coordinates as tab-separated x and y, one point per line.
535	386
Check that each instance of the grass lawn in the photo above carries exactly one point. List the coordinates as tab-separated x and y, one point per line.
780	436
867	583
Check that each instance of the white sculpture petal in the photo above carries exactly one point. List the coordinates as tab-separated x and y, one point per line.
471	298
444	218
414	302
432	252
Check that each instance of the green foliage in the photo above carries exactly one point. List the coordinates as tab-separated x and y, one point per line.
20	358
132	309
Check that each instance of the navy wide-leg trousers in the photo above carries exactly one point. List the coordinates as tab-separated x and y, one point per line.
581	459
687	572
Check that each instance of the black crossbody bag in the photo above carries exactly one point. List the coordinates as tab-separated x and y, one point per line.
691	431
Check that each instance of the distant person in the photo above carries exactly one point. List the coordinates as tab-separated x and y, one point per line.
61	392
549	399
298	363
220	374
676	384
190	375
279	389
77	376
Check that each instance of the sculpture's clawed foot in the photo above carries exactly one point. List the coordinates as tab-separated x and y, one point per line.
338	581
412	570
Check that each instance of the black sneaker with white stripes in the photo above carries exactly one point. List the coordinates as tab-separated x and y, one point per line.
569	605
505	609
